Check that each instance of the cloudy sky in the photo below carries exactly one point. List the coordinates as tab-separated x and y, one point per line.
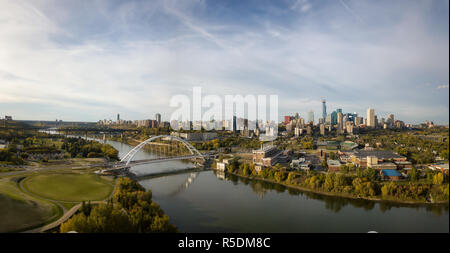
89	60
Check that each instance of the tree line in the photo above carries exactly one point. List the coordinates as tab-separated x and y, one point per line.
131	210
367	183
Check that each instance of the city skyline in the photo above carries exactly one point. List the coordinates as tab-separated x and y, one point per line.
84	61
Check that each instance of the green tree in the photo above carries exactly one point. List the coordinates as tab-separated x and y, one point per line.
413	174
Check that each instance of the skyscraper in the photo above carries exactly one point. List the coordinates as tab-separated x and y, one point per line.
370	117
311	117
118	117
158	118
334	118
324	110
340	120
391	120
234	124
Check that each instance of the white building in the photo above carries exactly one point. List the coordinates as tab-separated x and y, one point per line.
370	117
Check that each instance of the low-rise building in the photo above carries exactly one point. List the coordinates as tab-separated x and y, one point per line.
442	167
403	165
334	165
392	175
221	166
300	164
384	166
359	157
266	156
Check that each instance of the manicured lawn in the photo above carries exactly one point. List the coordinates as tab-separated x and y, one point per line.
19	211
68	186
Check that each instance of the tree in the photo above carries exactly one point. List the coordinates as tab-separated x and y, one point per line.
413	174
359	172
438	178
290	178
344	168
328	185
279	176
371	174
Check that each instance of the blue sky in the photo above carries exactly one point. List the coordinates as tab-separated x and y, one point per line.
89	60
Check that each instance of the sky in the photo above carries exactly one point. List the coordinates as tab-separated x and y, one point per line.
89	60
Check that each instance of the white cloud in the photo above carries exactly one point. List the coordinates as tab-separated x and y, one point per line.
301	5
140	59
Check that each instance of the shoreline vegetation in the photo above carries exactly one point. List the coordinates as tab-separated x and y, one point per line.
337	194
130	210
364	185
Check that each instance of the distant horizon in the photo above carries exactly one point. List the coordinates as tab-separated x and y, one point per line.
280	120
89	60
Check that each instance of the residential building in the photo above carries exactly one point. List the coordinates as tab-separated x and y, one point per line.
311	117
370	114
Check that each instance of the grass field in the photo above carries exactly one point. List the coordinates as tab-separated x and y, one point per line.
9	169
69	186
19	211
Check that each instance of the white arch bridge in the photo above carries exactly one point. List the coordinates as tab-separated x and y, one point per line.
184	151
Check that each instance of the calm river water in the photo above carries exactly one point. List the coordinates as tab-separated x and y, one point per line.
211	202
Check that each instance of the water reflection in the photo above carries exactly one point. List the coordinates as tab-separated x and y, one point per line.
332	202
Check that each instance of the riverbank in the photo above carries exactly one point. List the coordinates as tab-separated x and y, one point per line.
339	194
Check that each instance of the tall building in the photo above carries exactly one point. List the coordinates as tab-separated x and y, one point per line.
311	117
349	127
322	129
390	120
370	115
234	124
340	120
118	117
158	118
334	118
359	121
308	130
328	119
324	110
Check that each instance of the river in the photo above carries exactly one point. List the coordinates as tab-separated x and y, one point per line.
208	201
